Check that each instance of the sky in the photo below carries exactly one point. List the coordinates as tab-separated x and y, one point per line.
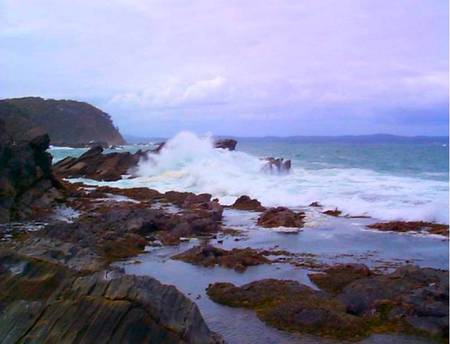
244	68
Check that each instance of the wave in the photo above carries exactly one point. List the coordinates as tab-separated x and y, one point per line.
190	163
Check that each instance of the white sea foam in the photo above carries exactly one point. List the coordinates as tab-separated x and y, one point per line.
190	163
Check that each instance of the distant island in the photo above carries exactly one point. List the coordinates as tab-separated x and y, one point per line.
68	122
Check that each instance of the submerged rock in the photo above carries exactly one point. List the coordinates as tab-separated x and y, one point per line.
281	217
95	165
412	226
246	203
209	256
44	302
27	184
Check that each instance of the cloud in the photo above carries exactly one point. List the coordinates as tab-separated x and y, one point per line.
278	60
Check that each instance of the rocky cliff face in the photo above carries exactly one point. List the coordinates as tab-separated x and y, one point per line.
67	122
27	184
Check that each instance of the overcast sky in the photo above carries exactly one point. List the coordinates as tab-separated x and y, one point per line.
248	68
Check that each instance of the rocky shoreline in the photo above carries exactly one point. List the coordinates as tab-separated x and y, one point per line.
58	282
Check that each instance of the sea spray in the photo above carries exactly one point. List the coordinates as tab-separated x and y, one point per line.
190	163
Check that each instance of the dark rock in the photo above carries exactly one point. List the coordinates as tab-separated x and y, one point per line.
27	184
43	302
277	165
246	203
95	165
315	204
281	217
229	144
209	256
335	212
412	226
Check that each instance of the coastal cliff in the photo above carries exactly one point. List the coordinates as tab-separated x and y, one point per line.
67	122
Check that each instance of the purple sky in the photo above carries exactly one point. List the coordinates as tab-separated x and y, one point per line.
248	68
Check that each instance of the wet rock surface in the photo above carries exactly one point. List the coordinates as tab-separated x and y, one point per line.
246	203
95	165
42	302
210	256
291	306
355	302
281	217
412	226
27	184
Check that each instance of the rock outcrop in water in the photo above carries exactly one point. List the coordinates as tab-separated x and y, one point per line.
246	203
67	122
209	256
43	302
412	226
277	165
281	217
95	165
27	184
358	302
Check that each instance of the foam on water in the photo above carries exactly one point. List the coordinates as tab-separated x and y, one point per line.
190	163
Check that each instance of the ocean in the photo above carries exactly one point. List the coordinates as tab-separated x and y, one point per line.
380	177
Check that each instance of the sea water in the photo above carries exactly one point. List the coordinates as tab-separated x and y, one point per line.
386	181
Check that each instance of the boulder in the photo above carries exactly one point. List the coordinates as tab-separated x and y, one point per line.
229	144
246	203
27	184
281	217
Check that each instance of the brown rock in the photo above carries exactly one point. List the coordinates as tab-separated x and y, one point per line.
412	226
281	217
246	203
237	259
335	278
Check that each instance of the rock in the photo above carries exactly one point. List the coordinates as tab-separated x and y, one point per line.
229	144
335	278
277	165
315	204
246	203
336	212
209	256
139	194
68	122
27	184
291	306
409	300
412	226
45	302
281	217
95	165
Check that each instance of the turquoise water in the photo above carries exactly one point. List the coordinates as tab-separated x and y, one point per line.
387	181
